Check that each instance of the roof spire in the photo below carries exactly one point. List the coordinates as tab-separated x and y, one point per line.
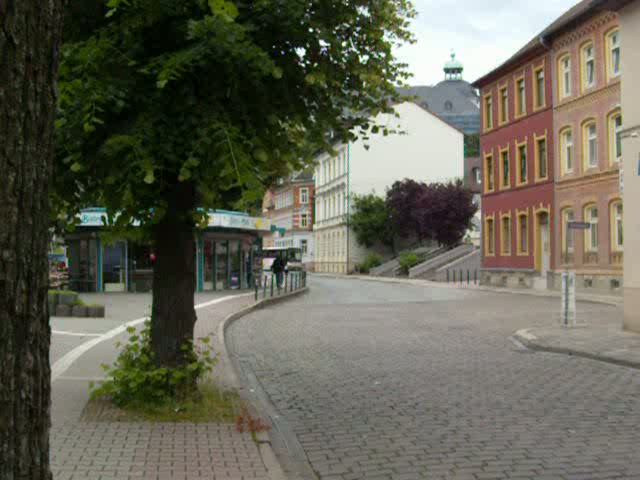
453	68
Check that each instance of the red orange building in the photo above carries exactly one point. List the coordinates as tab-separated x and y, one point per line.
516	142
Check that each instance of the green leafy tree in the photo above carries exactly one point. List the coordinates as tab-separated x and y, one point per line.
370	221
169	106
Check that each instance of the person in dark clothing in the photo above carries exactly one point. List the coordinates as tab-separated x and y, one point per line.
277	267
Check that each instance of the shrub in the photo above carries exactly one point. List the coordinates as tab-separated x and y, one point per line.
371	261
407	260
135	380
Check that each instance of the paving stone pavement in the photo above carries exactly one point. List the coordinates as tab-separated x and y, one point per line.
126	451
405	382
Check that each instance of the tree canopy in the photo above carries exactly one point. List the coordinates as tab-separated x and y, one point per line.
226	96
436	211
370	221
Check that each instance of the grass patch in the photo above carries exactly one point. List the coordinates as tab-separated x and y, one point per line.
63	292
214	405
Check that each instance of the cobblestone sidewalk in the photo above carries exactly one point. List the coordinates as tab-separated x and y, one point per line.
606	342
125	450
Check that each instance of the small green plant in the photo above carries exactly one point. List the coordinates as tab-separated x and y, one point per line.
136	381
407	260
372	260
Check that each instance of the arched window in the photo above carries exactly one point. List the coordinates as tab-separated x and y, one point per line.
566	150
589	145
615	137
448	106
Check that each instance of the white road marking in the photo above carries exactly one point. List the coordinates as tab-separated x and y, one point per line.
62	365
75	334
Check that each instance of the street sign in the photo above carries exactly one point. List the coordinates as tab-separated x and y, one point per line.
579	226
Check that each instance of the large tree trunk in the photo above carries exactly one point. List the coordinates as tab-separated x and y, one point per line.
30	33
173	315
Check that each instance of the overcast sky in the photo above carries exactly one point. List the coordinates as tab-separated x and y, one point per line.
483	33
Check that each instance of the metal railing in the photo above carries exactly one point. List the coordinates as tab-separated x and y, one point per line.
275	285
462	276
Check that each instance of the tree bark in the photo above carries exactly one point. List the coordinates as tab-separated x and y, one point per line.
30	32
173	314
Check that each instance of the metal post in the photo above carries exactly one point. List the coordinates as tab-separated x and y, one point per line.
264	286
272	284
126	265
255	286
215	265
468	277
447	276
286	281
228	272
461	278
475	277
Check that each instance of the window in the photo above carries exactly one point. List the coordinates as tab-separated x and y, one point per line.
304	246
617	231
541	158
567	234
504	105
615	137
489	173
564	76
505	177
521	106
448	106
523	234
489	236
588	67
505	235
590	148
591	235
538	79
304	196
477	175
566	150
521	159
488	112
304	220
613	54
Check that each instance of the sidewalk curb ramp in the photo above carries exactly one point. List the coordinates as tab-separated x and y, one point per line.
252	392
532	342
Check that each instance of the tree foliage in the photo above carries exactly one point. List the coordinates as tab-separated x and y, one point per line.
370	221
226	96
403	203
447	210
437	211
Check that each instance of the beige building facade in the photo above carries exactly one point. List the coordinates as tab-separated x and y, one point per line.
587	119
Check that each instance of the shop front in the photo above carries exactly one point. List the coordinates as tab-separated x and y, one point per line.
227	255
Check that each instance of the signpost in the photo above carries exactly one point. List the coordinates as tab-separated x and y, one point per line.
569	280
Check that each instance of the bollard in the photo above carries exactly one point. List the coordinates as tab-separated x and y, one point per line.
286	281
461	279
475	277
447	276
264	286
272	284
255	285
468	277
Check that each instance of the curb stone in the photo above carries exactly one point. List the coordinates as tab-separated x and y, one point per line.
529	340
232	372
478	288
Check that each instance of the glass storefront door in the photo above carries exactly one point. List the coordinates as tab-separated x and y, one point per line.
113	267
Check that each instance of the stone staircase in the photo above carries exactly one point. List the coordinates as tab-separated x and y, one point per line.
427	270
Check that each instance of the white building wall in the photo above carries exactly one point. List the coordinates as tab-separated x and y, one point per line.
630	35
427	150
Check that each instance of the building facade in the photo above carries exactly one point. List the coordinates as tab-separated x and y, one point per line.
587	132
290	207
516	144
423	147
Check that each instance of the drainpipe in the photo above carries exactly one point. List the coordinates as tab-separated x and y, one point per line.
348	202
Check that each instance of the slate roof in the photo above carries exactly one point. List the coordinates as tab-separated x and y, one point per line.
455	101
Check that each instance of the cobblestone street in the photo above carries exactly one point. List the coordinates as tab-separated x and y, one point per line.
385	381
